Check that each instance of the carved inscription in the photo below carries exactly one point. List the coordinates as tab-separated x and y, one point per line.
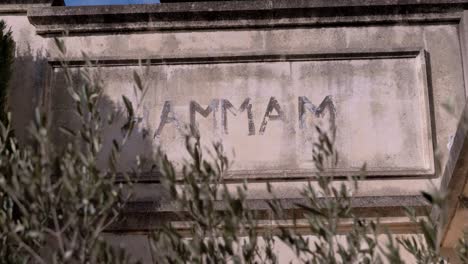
273	112
245	106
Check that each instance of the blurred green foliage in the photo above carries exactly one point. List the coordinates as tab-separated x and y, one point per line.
57	202
223	228
7	56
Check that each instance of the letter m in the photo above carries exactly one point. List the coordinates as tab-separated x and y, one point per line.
305	104
205	112
246	105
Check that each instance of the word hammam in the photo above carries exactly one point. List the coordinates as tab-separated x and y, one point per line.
225	106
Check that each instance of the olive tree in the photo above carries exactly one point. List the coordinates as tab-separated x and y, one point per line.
56	202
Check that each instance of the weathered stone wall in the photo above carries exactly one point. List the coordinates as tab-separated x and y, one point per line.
29	71
258	75
387	83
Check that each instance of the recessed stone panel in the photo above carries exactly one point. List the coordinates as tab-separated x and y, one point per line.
265	108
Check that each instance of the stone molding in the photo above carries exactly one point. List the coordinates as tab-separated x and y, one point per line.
239	14
144	216
28	2
22	6
241	58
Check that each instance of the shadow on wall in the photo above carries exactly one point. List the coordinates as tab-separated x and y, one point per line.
26	88
139	144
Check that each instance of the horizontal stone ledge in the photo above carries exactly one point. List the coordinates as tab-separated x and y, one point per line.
22	6
287	203
396	225
155	177
359	203
238	14
147	216
240	57
229	6
27	2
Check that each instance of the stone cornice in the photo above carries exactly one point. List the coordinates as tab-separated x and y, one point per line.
143	216
22	6
238	14
27	2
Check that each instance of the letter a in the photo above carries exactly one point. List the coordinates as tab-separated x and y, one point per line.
167	116
272	105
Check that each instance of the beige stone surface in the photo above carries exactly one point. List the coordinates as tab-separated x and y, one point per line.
29	72
397	87
375	99
390	78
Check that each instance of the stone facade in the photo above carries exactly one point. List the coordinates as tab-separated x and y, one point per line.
259	75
